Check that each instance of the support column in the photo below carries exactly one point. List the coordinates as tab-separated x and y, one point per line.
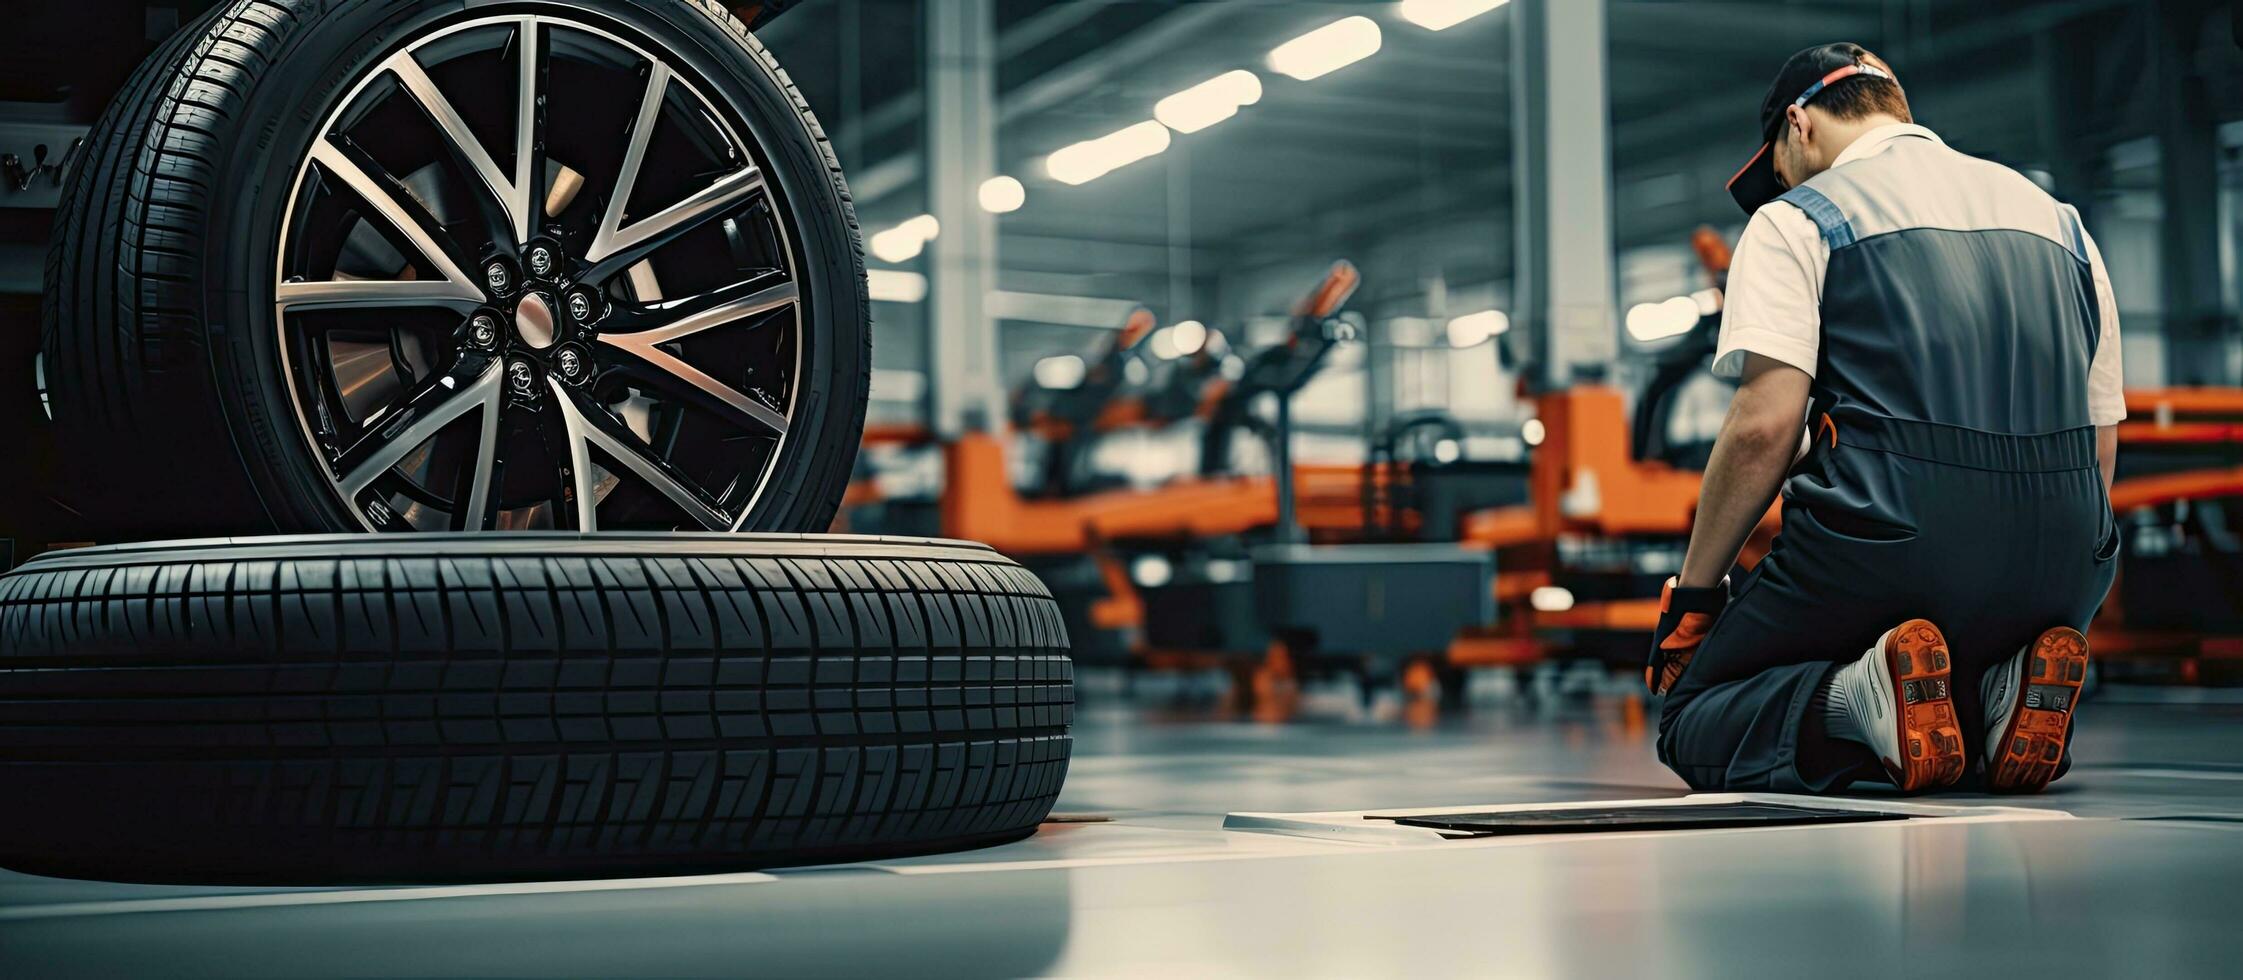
2063	56
1562	293
2198	347
965	391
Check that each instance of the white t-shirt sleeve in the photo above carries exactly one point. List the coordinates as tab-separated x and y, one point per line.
2106	374
1773	306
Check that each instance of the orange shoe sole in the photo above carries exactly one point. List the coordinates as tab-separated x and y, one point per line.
2033	745
1930	735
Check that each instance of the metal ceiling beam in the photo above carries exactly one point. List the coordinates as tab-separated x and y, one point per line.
1742	27
1041	250
1051	89
1081	76
1032	31
1014	41
1665	126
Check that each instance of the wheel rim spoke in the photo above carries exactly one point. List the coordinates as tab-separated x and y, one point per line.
580	462
645	348
498	190
661	369
625	246
366	293
614	246
478	512
379	197
529	160
634	155
471	384
589	426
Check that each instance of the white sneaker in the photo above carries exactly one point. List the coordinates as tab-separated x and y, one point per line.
1898	697
2029	702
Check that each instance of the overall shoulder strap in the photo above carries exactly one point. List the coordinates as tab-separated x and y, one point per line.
1837	232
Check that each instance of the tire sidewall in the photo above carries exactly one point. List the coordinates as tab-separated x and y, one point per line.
317	66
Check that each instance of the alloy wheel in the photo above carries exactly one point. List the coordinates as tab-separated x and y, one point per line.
531	277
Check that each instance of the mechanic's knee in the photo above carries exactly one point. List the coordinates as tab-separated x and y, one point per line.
1700	778
1676	701
1703	779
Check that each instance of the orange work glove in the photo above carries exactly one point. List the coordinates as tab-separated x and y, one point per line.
1685	617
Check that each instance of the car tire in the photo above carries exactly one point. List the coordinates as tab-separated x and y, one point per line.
392	707
178	392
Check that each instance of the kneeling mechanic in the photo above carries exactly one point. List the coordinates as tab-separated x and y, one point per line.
1943	331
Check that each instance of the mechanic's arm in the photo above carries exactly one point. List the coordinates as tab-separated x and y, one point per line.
1755	449
2106	453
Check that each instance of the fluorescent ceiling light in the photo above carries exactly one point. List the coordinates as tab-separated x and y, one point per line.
1077	311
1209	102
925	226
1474	329
1440	15
1002	195
1151	571
896	246
895	285
1327	49
1060	372
1089	160
1188	337
1163	344
1658	321
1550	598
904	242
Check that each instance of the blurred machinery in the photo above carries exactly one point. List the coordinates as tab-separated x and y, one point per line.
2176	613
1419	563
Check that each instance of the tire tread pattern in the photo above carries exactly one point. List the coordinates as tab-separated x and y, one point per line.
410	717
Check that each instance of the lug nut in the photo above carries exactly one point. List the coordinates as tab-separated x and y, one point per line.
496	276
521	377
581	307
483	331
541	260
571	363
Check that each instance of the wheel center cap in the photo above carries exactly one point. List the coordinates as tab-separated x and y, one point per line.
533	320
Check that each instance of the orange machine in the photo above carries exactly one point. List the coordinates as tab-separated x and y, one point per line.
1584	485
2204	417
1586	482
2191	440
980	503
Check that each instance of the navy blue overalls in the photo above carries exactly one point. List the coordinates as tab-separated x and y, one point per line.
1952	476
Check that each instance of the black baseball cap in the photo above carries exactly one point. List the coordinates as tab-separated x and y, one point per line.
1804	76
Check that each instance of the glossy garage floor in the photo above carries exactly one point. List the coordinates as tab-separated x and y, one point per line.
2141	881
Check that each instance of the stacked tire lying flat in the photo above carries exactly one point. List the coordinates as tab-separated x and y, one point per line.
457	706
